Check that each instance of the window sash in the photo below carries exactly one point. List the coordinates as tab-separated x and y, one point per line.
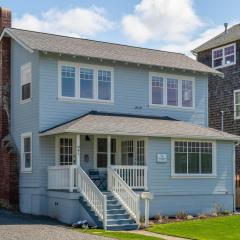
26	81
225	54
237	104
193	158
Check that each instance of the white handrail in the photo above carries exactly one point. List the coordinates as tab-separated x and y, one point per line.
125	195
92	195
135	176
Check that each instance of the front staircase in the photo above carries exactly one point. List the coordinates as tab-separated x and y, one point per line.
117	217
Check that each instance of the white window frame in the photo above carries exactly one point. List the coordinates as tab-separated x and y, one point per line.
26	67
223	61
180	79
194	175
23	168
235	104
77	82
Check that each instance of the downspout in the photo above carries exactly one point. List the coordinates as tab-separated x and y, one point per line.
234	175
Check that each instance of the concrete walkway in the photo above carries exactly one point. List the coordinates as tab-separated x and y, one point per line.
151	234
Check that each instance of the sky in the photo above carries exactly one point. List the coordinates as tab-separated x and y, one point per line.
171	25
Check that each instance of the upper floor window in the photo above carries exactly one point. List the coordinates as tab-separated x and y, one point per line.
26	80
193	158
224	56
78	81
237	104
171	91
26	152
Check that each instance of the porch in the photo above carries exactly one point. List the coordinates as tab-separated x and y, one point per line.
118	163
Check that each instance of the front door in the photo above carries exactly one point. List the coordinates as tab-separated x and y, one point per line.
133	152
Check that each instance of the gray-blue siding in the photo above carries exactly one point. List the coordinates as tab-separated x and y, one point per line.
131	89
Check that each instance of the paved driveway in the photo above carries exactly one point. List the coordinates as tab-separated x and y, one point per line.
16	226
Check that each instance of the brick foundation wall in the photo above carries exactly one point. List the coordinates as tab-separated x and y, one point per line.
8	157
221	96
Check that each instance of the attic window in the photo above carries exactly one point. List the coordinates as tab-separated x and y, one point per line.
224	56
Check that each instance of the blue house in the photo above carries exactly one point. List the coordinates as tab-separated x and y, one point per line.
99	126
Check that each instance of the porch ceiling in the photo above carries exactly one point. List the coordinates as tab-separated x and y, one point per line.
117	124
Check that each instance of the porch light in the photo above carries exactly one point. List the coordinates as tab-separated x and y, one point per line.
87	138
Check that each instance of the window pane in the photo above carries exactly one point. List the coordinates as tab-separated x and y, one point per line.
193	157
172	92
102	160
180	162
26	91
102	145
237	97
238	110
104	85
229	50
86	83
217	53
187	93
206	163
68	81
27	144
217	62
157	90
229	59
27	160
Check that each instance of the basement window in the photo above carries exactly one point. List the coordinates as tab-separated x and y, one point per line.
224	56
26	81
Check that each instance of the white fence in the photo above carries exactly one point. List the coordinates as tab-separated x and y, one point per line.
135	176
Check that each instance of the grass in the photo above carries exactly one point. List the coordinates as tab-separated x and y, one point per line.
117	235
219	228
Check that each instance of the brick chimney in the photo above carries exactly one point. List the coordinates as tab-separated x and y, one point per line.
9	194
5	72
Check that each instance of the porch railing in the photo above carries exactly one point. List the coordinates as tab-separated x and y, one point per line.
135	176
62	177
125	195
92	195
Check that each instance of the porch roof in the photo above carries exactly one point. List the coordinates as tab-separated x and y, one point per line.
130	125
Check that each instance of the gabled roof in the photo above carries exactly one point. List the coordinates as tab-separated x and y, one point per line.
130	125
232	35
107	51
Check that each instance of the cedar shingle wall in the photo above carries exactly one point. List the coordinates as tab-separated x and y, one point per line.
221	96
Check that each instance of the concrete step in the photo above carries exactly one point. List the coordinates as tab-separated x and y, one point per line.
122	227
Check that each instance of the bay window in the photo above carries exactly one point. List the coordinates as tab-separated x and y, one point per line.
237	104
193	158
224	56
85	82
171	91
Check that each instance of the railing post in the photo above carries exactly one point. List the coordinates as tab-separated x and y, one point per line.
71	178
138	210
105	212
145	178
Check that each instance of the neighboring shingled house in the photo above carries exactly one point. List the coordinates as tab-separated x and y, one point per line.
223	53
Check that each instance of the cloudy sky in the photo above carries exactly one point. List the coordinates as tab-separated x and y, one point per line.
173	25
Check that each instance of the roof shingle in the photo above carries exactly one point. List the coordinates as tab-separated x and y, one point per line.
109	51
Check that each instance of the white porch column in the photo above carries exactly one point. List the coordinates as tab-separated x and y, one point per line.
78	150
108	151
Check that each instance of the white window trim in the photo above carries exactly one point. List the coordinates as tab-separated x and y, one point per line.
196	175
23	136
77	83
180	79
23	68
224	64
235	104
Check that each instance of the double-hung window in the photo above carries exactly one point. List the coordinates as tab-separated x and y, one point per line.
26	81
171	91
26	152
237	104
224	56
86	82
193	158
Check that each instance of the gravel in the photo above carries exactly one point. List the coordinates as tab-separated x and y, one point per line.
17	226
